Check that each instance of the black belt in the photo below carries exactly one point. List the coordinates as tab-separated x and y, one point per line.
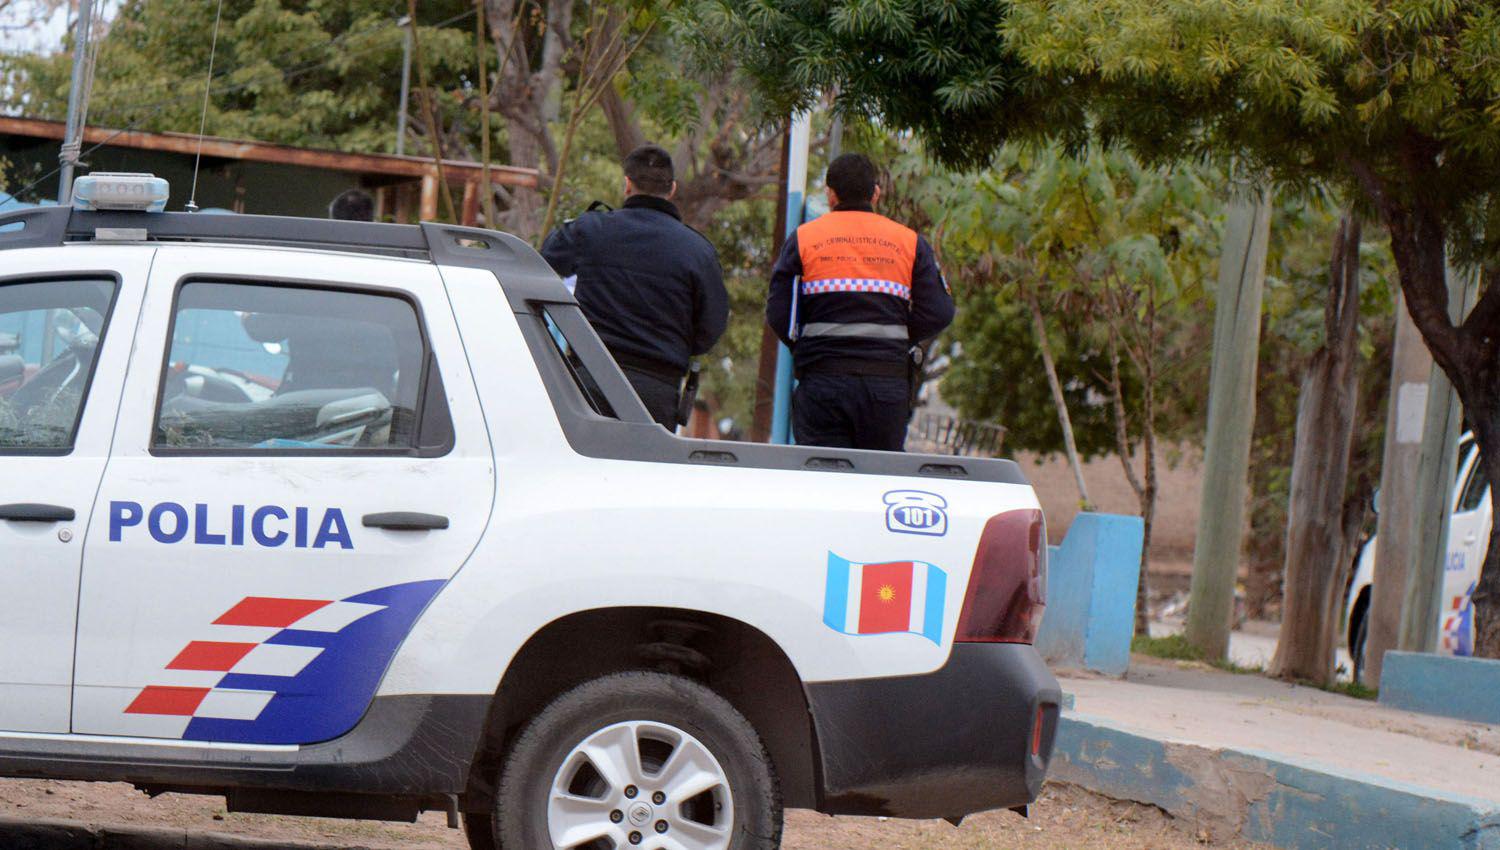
856	366
654	368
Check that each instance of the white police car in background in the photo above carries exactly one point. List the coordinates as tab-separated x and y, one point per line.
361	519
1468	534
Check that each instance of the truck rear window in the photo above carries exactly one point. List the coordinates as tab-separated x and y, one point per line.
279	367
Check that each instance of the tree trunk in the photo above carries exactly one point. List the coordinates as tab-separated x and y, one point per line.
1146	364
622	122
1040	327
1468	354
1141	488
1148	502
1317	556
527	88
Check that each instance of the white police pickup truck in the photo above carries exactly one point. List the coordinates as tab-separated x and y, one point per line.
353	519
1468	534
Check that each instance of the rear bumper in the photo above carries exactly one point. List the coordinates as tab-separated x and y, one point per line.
952	742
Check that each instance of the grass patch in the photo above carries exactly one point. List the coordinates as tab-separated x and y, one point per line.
1353	689
1230	667
1177	648
1171	647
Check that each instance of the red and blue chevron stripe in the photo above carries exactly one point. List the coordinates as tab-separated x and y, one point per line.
310	679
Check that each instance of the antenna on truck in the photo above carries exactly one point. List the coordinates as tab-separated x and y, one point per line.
208	81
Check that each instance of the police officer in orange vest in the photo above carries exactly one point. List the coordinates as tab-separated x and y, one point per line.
851	294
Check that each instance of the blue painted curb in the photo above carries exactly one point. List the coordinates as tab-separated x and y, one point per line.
1091	584
1445	685
1266	797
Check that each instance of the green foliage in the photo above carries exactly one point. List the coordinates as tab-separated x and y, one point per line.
321	73
1110	248
1394	102
934	66
998	377
730	370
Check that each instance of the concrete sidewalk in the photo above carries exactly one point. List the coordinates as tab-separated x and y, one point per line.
1250	757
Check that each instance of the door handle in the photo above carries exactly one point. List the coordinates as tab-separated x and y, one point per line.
1471	539
30	512
406	521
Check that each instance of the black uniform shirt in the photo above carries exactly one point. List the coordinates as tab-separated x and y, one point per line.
650	285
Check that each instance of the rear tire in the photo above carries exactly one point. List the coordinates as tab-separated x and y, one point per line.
652	756
479	829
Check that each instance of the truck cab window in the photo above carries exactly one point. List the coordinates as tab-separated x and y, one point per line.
265	367
583	380
1475	488
49	335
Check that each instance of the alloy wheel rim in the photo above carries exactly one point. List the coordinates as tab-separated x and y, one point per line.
640	784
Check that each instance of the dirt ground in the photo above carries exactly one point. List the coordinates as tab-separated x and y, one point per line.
1064	818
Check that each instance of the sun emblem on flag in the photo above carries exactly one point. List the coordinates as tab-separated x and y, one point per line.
887	593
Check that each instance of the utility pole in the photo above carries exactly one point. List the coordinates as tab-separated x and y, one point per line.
1411	367
1437	468
72	141
765	372
1231	420
773	385
405	24
796	191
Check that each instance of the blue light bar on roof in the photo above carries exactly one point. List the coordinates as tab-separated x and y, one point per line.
105	190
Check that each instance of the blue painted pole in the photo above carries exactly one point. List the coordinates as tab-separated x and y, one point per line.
796	189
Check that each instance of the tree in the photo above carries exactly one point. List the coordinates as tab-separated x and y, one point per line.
1390	102
1323	529
314	74
1293	331
1118	254
561	58
326	74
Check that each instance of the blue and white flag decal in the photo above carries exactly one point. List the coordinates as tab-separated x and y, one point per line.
895	596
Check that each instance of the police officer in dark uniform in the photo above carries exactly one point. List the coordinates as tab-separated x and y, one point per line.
650	285
852	293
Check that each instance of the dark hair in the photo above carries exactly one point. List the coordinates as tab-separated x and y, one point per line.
353	205
852	177
649	167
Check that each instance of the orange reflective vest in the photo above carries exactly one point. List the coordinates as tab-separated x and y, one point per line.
854	251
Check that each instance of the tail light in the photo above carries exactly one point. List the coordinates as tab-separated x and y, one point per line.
1008	584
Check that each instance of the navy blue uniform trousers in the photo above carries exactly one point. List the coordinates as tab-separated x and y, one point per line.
851	411
657	393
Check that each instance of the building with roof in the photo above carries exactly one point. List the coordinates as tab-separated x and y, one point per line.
253	177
